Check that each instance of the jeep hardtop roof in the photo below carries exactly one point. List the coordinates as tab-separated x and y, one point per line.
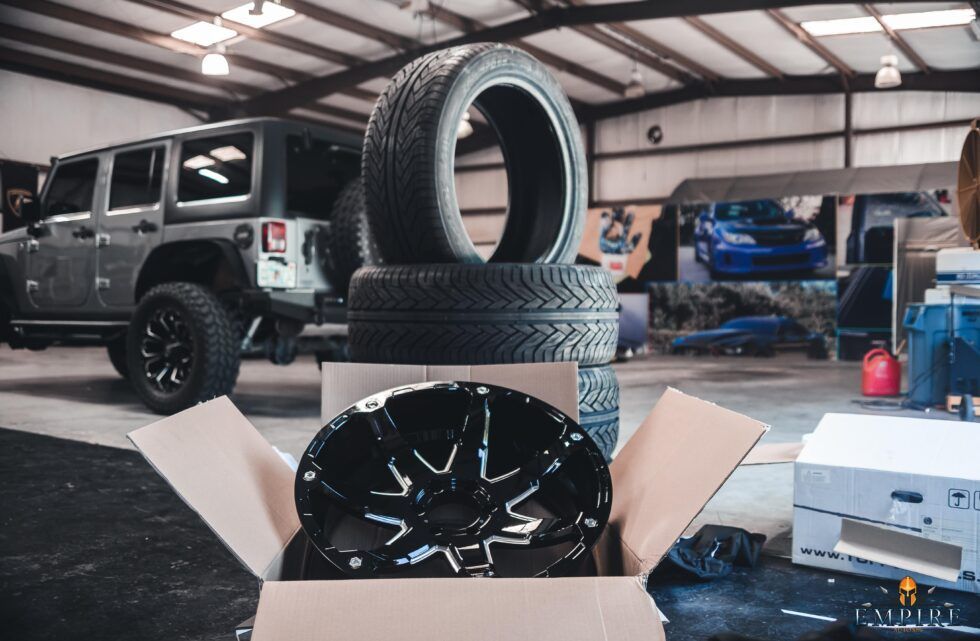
340	136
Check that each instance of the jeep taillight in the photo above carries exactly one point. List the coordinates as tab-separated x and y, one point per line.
274	237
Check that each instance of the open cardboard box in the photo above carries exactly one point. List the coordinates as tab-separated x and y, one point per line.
677	459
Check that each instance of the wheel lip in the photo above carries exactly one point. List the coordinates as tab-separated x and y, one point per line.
496	67
340	558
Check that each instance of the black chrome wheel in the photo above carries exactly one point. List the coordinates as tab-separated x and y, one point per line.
167	349
453	479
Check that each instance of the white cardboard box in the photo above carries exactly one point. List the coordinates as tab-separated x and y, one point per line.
888	497
678	458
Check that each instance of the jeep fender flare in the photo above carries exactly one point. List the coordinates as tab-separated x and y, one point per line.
214	262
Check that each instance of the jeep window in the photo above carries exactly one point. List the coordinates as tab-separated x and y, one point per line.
316	171
881	210
749	209
71	188
136	178
215	167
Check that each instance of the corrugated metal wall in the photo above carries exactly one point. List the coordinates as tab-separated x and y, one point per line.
743	119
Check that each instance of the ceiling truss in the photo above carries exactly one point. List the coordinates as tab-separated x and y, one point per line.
603	23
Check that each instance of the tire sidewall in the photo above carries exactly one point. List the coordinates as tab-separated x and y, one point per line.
506	65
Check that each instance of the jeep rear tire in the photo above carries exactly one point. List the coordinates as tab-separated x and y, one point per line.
181	348
352	244
476	314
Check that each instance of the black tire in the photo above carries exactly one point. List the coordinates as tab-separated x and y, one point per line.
598	406
474	314
210	350
116	349
351	243
410	143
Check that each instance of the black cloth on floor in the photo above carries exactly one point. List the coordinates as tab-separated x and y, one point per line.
713	552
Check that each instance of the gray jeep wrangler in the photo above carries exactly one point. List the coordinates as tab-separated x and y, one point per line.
183	251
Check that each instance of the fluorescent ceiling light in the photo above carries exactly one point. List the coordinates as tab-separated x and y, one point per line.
213	175
271	12
948	18
897	21
198	161
227	154
867	24
204	34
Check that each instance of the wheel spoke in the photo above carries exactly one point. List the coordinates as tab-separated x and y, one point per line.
471	458
400	452
476	559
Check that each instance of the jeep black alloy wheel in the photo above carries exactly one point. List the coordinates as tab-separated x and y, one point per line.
408	158
181	347
453	479
166	349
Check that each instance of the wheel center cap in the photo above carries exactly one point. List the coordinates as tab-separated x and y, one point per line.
454	508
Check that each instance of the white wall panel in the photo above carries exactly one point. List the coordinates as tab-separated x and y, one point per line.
909	147
482	189
722	119
44	118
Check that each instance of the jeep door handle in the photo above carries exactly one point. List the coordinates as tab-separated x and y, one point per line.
144	227
83	232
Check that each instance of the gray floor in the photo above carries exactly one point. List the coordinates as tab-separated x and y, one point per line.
75	394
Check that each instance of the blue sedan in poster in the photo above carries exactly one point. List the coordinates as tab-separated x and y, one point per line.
756	238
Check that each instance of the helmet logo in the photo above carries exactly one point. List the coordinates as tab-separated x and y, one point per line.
906	591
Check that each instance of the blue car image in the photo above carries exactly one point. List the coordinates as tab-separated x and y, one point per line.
756	237
753	336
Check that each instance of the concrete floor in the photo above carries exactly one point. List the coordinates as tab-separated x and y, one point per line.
75	394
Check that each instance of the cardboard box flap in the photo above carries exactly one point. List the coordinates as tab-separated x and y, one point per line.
567	609
882	443
901	550
225	471
681	454
346	383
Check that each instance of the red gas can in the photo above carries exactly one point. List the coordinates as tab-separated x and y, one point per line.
882	375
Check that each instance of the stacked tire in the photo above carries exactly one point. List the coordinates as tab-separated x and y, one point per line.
435	300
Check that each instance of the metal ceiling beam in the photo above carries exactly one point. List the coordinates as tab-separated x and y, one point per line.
74	48
735	47
469	25
547	20
663	50
898	40
811	43
262	35
175	7
70	47
162	40
54	69
660	49
592	32
345	22
965	80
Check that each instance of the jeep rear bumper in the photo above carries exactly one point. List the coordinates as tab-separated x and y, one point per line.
303	306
